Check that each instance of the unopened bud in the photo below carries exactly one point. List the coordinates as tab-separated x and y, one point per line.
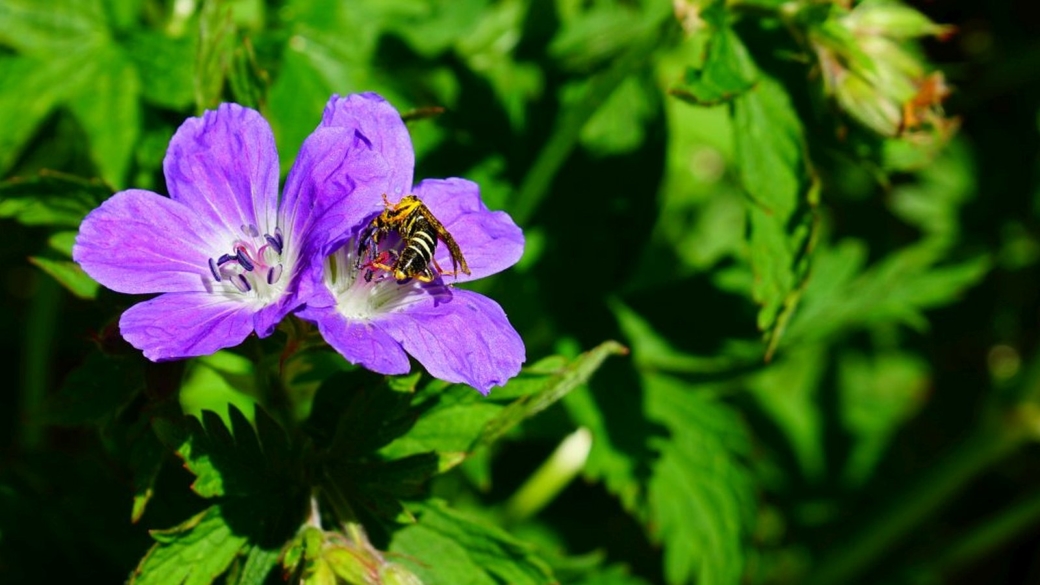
394	574
863	102
893	20
350	566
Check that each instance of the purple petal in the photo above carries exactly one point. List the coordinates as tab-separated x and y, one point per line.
360	342
141	242
334	185
224	165
489	240
180	325
380	126
468	339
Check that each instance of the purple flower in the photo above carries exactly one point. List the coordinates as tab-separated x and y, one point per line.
228	256
458	335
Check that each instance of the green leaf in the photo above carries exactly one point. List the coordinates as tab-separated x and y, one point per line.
231	461
147	455
619	125
165	67
97	390
459	420
553	388
55	27
700	497
727	69
51	199
447	546
194	552
879	392
788	393
217	39
215	381
770	148
898	288
245	470
769	145
69	274
30	88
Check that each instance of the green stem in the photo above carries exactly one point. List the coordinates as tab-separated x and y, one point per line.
568	127
849	559
549	480
36	356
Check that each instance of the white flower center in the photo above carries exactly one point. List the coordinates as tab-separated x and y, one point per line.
363	293
256	269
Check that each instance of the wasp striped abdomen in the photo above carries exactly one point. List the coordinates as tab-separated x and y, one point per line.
419	231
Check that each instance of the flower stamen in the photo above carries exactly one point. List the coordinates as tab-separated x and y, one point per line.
246	257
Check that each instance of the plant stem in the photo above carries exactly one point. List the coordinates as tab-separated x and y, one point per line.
36	357
549	480
849	559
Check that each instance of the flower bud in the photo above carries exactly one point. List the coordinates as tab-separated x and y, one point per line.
394	574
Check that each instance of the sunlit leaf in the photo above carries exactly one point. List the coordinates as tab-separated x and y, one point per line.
727	69
446	546
51	199
69	274
194	552
56	27
769	150
701	498
165	67
30	88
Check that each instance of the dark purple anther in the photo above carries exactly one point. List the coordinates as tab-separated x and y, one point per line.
213	269
250	230
241	283
243	260
274	274
224	259
274	242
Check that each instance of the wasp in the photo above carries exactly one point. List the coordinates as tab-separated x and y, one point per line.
419	231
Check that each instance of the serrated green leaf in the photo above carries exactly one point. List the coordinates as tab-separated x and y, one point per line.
69	275
461	421
770	149
229	461
555	387
700	498
898	288
727	70
51	199
195	552
446	546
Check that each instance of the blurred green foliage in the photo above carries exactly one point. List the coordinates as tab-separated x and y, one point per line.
821	287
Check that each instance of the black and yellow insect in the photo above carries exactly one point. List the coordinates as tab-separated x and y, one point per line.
419	231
